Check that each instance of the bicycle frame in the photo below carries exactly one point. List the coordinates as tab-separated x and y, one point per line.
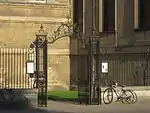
118	94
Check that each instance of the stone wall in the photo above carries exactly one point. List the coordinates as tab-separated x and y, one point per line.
14	33
47	10
59	72
141	42
18	24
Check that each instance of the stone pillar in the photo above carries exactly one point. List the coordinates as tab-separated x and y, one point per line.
124	22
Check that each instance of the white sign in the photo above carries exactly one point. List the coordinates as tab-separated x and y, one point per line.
104	67
30	67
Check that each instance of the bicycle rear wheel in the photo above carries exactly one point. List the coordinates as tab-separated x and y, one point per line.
108	96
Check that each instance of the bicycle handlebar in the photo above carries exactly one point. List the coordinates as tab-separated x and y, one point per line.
114	84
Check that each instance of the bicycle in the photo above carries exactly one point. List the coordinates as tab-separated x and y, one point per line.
12	98
40	83
125	95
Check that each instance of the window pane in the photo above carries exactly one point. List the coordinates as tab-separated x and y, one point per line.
144	16
109	15
78	12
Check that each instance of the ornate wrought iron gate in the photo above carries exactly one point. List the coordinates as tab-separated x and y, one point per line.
41	66
94	68
88	83
88	87
40	45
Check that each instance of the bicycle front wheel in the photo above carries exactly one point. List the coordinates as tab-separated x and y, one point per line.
128	97
135	97
108	96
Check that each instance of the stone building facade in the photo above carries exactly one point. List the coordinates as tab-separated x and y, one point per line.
20	20
117	22
124	20
122	26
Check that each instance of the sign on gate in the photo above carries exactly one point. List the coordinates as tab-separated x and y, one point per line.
30	67
104	67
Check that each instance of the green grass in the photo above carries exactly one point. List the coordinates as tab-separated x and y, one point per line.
63	95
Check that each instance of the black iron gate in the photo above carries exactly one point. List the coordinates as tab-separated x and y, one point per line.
88	86
41	66
89	91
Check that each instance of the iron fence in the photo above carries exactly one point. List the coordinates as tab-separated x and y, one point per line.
129	68
13	68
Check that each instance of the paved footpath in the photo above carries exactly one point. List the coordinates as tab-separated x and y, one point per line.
57	107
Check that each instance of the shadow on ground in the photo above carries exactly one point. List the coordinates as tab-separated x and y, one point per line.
29	109
49	111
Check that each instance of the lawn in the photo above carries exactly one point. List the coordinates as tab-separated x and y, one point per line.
63	95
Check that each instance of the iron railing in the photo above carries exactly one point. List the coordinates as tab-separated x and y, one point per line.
13	68
129	68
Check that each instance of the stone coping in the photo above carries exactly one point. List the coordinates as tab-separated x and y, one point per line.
24	4
134	88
